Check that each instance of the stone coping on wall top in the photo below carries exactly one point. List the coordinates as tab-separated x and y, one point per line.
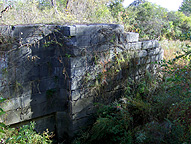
34	32
37	30
67	30
60	26
8	29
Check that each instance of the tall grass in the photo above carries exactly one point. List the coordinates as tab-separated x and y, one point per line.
173	49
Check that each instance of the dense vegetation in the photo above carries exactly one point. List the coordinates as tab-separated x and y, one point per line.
156	109
23	134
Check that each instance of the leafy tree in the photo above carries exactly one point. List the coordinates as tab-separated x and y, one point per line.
148	19
186	7
116	7
180	25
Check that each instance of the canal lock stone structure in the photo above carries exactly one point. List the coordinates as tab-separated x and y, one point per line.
53	74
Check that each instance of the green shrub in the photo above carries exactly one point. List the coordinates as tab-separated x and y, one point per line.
25	134
148	19
113	125
185	7
2	125
181	25
164	132
154	109
180	113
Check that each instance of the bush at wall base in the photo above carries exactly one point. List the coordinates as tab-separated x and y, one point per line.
24	134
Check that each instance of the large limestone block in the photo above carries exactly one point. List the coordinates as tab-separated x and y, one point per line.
132	37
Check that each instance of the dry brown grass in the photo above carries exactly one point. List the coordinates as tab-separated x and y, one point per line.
171	47
180	66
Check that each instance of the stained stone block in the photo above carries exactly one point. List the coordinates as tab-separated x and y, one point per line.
161	54
46	122
134	46
154	52
27	34
57	72
63	125
6	30
69	31
78	71
132	37
150	44
77	61
77	106
77	94
142	53
80	124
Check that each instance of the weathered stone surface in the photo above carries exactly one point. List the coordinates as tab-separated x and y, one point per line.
77	94
134	46
132	37
150	44
77	106
69	31
142	53
25	108
56	73
81	123
63	125
47	121
154	52
42	123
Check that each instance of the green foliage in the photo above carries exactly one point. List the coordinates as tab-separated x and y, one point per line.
112	126
116	7
185	7
181	25
154	109
148	19
2	125
25	134
113	123
152	21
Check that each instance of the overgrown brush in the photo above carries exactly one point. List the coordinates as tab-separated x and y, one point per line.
154	109
23	134
32	12
174	48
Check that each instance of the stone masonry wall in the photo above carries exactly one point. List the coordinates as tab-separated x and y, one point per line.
53	74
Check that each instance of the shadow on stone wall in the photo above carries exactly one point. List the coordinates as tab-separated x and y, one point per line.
55	74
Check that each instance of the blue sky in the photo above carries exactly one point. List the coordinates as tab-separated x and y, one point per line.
171	5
